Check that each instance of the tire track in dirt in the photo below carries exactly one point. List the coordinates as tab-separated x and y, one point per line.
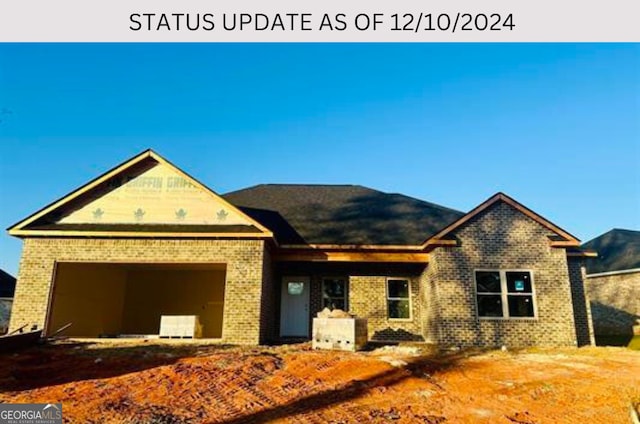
295	384
319	392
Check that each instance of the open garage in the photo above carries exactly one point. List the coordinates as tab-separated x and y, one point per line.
117	299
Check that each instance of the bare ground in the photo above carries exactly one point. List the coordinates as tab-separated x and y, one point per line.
187	383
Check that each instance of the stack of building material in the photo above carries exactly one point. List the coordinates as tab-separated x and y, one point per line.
180	326
339	330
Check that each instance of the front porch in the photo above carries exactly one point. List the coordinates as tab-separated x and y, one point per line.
387	295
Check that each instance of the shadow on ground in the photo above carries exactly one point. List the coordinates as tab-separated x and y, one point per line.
61	363
421	367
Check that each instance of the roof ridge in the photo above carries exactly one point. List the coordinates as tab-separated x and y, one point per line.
436	205
360	186
252	187
612	232
314	185
623	229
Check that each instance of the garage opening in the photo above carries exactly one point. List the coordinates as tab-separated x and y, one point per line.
111	300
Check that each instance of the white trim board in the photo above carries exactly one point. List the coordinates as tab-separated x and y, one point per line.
605	274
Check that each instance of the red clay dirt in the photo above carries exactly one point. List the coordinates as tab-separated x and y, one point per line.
189	383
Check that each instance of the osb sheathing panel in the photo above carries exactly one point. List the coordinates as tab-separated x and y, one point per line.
152	293
158	195
101	299
90	297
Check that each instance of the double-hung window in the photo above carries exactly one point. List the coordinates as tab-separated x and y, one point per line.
504	294
398	299
334	293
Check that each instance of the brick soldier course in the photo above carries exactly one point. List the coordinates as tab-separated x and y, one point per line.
361	236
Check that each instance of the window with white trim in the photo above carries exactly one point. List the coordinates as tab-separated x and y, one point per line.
504	294
398	299
334	293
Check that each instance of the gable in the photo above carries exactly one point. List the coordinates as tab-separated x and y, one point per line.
158	195
503	224
557	236
145	195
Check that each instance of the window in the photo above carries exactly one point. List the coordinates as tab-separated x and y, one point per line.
398	299
504	294
295	288
334	293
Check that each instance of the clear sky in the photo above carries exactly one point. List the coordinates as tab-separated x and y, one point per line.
556	126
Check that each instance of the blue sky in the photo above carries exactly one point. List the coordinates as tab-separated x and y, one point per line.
557	126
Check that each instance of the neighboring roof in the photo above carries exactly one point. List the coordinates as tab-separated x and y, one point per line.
563	237
7	284
44	221
341	214
617	249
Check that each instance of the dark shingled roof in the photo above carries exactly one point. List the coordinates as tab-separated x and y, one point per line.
341	214
617	250
7	284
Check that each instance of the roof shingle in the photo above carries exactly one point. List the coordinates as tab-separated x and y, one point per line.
7	284
617	249
341	214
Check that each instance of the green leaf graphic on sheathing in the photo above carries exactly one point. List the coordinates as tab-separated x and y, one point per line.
97	214
222	215
139	214
181	214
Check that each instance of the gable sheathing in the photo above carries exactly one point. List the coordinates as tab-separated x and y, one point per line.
146	196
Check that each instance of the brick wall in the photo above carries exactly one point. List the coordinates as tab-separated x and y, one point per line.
500	238
429	304
367	294
580	301
268	309
244	278
615	302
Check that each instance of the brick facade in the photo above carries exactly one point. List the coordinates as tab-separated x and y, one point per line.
499	238
500	234
268	309
366	294
428	300
615	302
580	302
443	299
244	279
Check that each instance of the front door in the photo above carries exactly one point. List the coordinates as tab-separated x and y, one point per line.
294	307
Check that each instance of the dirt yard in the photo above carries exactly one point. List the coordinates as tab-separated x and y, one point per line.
186	383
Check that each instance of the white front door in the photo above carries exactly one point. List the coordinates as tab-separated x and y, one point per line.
294	307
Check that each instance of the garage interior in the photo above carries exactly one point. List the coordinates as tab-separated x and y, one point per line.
115	300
